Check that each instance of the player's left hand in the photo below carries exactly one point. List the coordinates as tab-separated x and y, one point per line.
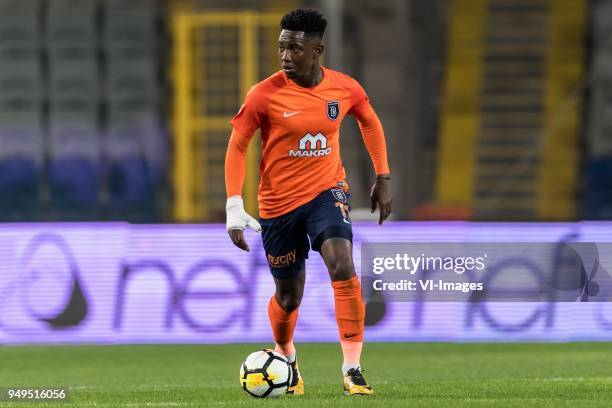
382	196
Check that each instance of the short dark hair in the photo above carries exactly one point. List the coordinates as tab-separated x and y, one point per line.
310	21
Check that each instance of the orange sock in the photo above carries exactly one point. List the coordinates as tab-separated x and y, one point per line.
283	326
351	350
350	316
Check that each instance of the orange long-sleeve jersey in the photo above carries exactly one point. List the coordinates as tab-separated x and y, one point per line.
300	139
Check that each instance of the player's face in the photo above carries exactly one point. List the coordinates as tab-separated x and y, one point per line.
297	53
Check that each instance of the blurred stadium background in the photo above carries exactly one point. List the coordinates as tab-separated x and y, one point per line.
117	111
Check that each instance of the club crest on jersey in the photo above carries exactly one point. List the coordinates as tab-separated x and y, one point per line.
333	109
339	195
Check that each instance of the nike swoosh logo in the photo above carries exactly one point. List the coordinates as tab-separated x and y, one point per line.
346	336
289	114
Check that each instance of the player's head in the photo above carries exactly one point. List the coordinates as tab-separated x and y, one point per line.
300	41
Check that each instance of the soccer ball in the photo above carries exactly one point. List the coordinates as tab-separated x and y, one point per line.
265	373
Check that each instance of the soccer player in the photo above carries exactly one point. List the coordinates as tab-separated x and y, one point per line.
303	199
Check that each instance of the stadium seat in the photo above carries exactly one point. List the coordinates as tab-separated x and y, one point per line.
21	159
21	138
601	71
130	25
74	164
74	136
601	17
19	184
19	31
132	79
71	29
600	126
21	80
597	198
74	80
135	153
74	140
134	142
20	4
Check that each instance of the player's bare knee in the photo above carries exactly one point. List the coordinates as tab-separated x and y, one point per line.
289	300
290	303
342	269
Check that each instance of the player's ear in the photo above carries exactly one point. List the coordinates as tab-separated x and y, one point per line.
319	50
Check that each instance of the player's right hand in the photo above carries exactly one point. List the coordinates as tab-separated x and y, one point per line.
237	220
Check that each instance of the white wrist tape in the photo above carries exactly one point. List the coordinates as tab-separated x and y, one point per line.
237	217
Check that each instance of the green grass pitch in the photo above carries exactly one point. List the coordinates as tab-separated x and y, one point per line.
402	374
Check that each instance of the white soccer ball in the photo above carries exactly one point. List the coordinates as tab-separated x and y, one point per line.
265	373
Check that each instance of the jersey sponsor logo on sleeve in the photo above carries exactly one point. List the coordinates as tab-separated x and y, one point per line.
333	109
311	146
